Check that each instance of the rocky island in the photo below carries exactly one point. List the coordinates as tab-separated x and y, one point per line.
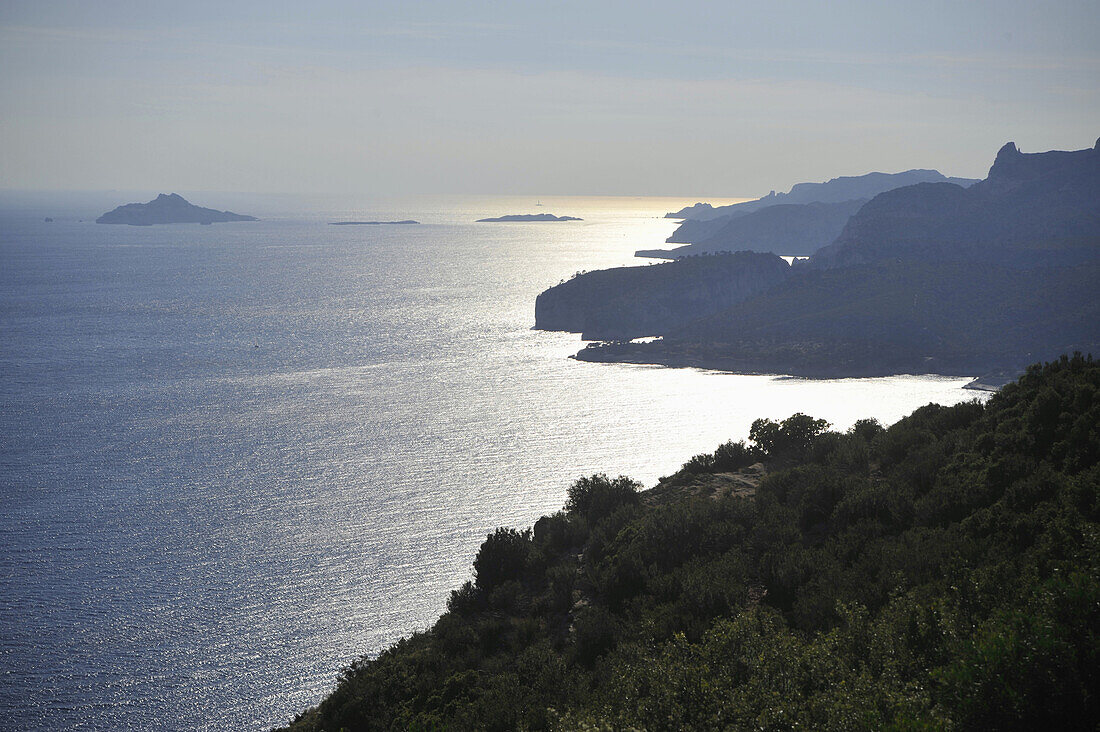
169	208
528	218
371	223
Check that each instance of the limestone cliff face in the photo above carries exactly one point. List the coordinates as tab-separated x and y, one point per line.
632	302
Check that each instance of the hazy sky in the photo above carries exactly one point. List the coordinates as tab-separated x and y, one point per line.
684	98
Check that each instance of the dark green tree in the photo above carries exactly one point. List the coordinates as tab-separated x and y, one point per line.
501	558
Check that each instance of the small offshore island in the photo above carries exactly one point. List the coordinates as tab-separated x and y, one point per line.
170	208
528	218
371	223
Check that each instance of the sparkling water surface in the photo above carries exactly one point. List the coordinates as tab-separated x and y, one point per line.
234	458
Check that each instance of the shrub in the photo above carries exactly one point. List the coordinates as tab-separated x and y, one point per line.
501	557
597	497
790	438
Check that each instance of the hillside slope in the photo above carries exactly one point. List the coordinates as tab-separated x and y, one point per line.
941	573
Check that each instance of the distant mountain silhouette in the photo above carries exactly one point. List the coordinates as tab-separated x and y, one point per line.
1032	209
529	218
797	229
927	278
168	209
836	190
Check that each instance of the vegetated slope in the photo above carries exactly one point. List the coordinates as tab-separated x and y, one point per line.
630	302
789	229
941	573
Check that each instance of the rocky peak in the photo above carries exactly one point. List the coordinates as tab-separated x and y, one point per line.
1008	164
1013	168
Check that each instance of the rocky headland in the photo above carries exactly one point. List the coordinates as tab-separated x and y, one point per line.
789	229
928	278
633	302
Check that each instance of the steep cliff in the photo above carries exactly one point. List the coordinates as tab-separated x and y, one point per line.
631	302
929	278
1038	209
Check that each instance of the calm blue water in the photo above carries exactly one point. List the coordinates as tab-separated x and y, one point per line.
233	458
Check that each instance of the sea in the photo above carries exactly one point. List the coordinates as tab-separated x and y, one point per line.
235	458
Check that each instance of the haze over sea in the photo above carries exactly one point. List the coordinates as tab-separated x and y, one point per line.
235	457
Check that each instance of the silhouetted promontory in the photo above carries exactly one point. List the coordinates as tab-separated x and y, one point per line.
796	229
928	278
836	190
949	318
1036	209
528	218
168	209
632	302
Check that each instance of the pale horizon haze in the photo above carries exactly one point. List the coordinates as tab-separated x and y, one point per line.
606	98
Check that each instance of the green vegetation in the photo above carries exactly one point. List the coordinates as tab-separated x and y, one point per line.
941	573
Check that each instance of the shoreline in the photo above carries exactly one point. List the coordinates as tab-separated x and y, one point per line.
805	365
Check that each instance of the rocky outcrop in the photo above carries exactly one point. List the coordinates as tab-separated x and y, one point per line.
1038	209
632	302
168	209
528	218
788	229
889	318
694	230
372	223
928	278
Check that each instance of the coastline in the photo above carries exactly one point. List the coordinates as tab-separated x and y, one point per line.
811	361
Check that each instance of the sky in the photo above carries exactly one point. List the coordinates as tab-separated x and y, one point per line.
719	99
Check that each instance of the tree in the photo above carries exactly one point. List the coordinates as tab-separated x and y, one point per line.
790	438
598	496
501	557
